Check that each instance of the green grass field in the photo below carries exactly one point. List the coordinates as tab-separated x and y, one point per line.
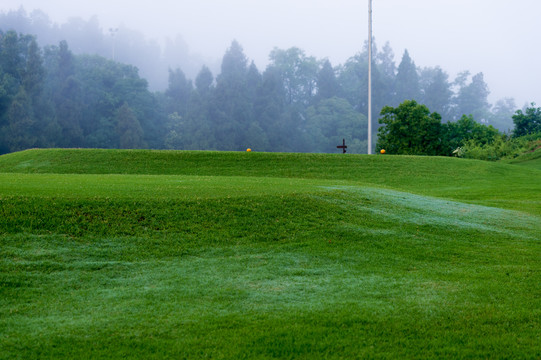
223	255
531	159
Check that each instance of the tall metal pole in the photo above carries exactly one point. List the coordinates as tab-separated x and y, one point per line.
369	77
113	33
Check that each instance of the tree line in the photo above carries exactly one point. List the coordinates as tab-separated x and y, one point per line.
50	97
411	129
86	36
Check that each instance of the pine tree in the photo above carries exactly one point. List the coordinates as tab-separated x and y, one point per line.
69	115
128	129
34	72
21	133
66	95
407	80
269	111
253	81
178	92
11	59
436	91
472	98
327	84
232	110
204	81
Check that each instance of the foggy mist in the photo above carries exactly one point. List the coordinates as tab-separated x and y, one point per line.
280	77
499	38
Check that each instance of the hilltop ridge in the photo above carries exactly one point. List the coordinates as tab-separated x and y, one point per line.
444	177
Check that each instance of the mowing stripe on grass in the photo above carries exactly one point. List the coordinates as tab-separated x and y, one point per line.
421	210
150	187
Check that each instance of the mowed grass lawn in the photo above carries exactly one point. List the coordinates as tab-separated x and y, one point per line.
165	254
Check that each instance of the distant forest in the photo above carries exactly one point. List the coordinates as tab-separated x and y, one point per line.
60	87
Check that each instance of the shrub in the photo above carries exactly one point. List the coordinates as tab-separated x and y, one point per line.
503	147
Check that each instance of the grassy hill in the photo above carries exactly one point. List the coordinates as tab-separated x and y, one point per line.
468	180
155	254
531	159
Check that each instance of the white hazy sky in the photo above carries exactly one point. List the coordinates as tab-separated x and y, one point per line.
500	38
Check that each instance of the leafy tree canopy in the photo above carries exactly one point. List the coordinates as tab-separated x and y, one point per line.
528	121
411	129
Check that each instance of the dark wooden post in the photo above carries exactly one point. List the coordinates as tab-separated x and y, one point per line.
343	146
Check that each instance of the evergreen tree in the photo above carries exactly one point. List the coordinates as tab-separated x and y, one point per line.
502	114
23	112
174	137
21	133
204	81
194	130
34	73
105	86
332	120
68	110
9	87
232	112
253	81
353	79
65	61
234	66
407	80
298	72
270	112
472	97
385	61
436	91
327	84
178	92
64	90
128	129
11	58
197	126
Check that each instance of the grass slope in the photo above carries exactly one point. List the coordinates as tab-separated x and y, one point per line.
150	254
468	180
531	159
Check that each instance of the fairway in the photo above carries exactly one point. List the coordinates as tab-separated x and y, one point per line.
225	255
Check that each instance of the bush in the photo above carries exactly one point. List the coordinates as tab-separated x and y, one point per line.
527	122
503	147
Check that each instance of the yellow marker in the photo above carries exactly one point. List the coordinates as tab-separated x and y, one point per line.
382	151
248	149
